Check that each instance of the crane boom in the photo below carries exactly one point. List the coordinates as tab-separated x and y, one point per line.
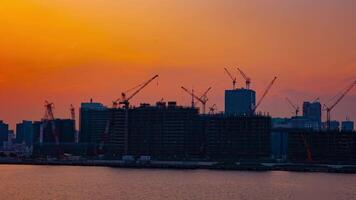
343	95
203	99
192	94
247	79
125	100
296	108
232	78
264	94
330	108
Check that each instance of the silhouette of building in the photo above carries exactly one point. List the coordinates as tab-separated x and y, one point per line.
347	126
239	102
312	112
165	131
4	132
324	147
94	118
238	137
64	129
24	133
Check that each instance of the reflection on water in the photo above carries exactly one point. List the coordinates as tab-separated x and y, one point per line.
59	182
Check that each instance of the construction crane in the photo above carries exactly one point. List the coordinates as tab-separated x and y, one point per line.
264	94
331	107
49	118
296	108
247	79
316	100
202	99
232	78
126	100
212	109
72	112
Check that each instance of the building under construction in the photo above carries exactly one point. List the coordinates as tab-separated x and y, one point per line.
238	137
321	147
167	131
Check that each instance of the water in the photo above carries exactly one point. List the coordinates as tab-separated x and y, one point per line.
59	182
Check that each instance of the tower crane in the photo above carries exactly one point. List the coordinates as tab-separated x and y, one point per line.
264	94
126	100
232	78
72	112
332	106
247	79
49	118
202	99
296	108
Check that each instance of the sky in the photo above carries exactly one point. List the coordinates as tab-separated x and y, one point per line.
68	51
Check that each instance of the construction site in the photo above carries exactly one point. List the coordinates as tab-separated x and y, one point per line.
169	131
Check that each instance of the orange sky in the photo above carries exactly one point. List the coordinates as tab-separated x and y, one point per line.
68	51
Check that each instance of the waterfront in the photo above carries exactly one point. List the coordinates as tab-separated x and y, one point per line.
77	182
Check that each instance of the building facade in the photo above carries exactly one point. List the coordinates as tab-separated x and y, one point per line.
238	137
94	118
4	132
24	133
239	102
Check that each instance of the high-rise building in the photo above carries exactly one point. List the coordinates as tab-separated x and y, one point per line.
239	102
94	118
24	133
347	126
4	132
312	111
165	131
238	137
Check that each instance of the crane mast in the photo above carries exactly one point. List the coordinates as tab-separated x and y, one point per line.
126	102
264	94
49	118
247	79
330	108
232	78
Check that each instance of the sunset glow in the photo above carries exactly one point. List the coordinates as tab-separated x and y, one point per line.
69	51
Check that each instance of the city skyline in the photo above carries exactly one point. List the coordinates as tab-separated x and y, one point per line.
68	52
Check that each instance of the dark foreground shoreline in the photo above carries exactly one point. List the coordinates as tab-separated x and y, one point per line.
293	167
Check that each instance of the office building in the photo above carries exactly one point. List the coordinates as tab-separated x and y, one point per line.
239	102
24	133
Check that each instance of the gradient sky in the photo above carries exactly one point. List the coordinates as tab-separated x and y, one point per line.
68	51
